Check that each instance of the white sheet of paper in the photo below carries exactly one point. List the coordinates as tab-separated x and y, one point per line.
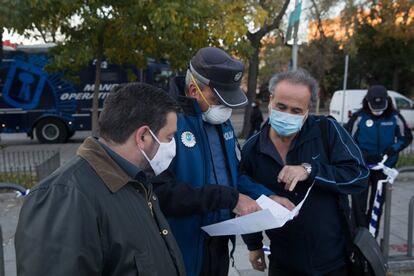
272	215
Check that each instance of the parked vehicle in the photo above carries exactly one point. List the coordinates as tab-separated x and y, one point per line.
48	106
343	106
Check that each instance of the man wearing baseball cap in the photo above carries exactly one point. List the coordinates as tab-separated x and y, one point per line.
207	156
379	130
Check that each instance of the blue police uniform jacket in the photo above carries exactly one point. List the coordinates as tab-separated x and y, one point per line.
375	134
313	243
191	165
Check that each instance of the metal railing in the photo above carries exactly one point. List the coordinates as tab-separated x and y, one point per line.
27	167
21	191
410	228
2	271
387	221
410	222
410	148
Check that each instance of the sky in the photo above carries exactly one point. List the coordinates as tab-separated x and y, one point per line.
15	38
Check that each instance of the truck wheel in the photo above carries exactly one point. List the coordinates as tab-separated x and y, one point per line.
51	130
71	133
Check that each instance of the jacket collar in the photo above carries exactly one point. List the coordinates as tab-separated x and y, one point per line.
310	130
107	169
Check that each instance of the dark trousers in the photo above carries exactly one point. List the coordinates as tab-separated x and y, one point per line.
216	256
275	270
361	215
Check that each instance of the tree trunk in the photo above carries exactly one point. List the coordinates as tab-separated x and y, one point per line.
95	101
251	87
255	40
395	79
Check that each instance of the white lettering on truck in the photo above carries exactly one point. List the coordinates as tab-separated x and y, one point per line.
87	93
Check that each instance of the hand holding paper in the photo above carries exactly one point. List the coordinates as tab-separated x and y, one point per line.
272	215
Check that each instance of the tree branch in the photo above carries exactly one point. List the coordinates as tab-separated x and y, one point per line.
257	36
42	33
279	17
318	18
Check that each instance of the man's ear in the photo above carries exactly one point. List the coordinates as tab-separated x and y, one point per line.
141	136
192	90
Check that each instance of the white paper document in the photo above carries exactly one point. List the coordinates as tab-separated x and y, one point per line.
272	215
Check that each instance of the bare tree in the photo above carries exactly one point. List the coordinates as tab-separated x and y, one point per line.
255	39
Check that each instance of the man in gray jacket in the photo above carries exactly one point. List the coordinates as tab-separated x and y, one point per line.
97	214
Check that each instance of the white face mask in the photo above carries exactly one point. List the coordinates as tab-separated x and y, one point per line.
377	113
163	157
217	114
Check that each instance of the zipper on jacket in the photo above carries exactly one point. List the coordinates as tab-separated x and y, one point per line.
378	137
147	198
203	137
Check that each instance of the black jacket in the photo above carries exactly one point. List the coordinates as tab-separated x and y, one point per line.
90	218
313	242
179	199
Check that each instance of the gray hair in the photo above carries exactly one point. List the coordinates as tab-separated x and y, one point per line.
299	76
188	80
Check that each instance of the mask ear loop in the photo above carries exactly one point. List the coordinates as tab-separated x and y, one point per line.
156	139
199	90
153	136
305	116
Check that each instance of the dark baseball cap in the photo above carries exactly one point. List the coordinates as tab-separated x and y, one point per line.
377	97
215	68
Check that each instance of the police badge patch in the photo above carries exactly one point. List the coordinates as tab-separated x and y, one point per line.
238	76
188	139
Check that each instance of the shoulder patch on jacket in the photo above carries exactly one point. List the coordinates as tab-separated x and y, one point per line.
228	135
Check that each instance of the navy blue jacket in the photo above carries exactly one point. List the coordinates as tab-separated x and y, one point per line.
191	166
375	134
313	242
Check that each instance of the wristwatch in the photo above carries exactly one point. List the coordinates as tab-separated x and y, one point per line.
307	167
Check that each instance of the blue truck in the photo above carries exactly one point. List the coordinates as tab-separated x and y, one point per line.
51	108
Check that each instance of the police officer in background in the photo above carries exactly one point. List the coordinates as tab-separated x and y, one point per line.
256	118
379	130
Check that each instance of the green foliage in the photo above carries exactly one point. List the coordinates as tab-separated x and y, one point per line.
27	180
382	44
131	31
323	58
379	39
405	160
276	57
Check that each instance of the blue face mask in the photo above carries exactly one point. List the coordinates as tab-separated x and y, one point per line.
285	124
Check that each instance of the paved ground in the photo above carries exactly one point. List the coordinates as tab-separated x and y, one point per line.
10	206
403	190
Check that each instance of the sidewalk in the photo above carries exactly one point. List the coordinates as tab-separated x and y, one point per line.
403	191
